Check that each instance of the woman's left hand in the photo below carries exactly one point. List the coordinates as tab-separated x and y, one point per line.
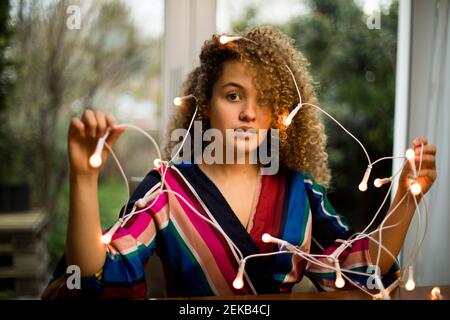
427	174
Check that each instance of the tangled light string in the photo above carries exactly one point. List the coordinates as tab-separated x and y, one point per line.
150	198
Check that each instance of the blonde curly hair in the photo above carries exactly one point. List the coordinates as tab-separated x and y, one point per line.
265	51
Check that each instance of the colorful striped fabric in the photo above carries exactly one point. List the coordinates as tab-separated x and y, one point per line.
197	258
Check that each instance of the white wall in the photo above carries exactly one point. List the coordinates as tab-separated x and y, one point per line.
429	116
187	24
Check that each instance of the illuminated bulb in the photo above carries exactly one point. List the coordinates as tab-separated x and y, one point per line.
416	189
379	182
410	284
96	159
107	237
410	155
225	39
436	293
266	238
383	292
157	163
363	185
177	101
340	282
238	283
288	120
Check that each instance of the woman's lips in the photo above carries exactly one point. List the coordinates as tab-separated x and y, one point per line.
245	133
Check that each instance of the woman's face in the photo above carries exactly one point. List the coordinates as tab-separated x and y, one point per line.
233	105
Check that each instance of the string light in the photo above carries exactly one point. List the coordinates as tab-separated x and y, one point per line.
96	158
410	284
340	282
380	182
238	282
363	185
410	155
436	294
106	238
415	188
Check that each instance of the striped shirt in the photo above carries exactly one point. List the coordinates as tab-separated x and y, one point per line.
198	259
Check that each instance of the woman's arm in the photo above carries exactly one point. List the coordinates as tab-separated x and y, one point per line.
393	238
84	247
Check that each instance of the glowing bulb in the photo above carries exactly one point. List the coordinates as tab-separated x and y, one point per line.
340	282
436	293
95	160
106	238
266	238
410	284
379	182
223	39
410	155
157	163
177	101
363	185
238	282
287	121
416	189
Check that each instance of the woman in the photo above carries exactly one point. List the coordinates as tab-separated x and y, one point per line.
242	85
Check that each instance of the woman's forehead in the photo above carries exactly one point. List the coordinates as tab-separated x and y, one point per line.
236	73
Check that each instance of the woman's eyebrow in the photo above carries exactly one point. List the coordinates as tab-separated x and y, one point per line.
232	84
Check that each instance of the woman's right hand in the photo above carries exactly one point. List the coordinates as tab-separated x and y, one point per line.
83	136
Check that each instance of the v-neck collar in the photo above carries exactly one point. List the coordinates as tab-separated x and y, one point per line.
259	268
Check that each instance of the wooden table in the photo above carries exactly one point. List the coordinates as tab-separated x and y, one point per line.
420	293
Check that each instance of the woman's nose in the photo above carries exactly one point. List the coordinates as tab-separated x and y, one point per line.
248	113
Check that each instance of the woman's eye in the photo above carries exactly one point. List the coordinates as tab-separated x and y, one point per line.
233	97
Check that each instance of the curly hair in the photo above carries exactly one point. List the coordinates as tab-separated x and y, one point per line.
266	51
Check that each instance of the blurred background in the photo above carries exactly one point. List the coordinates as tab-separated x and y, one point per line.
129	58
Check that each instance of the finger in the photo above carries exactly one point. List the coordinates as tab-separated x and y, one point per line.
426	158
77	126
90	122
101	123
114	135
429	149
417	142
110	121
427	173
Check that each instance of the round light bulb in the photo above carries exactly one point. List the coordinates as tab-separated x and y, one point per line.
377	183
106	238
177	101
287	121
416	189
95	160
266	238
223	39
340	282
362	186
436	293
410	154
410	285
157	163
238	283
